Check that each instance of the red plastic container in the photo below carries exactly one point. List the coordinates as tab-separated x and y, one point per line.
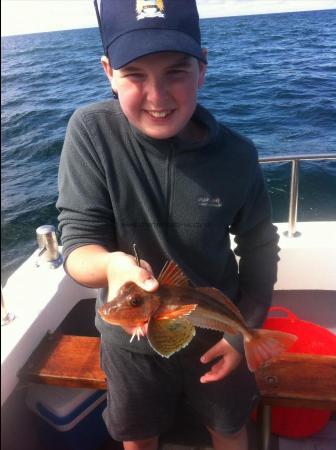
312	339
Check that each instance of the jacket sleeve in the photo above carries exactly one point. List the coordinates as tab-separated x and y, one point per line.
86	215
256	238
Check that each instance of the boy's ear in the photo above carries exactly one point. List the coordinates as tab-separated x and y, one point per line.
205	54
109	73
202	67
106	66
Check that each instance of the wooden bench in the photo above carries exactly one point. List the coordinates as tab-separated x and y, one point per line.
66	360
292	380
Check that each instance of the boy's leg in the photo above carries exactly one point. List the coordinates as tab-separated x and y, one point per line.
145	444
142	392
224	405
235	441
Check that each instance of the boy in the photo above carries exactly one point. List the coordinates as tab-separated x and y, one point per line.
156	169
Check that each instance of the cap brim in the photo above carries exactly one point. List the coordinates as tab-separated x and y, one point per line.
138	43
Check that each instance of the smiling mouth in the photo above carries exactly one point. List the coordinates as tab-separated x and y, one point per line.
159	114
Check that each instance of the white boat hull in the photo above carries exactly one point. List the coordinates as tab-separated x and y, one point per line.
40	298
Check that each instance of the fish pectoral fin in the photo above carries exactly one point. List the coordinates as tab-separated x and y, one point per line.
169	336
172	275
174	311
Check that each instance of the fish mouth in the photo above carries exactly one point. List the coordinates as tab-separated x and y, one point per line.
115	315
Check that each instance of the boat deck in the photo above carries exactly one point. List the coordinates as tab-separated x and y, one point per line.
325	440
315	305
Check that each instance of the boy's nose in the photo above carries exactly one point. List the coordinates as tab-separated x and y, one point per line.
156	91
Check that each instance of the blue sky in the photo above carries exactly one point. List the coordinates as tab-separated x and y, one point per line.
33	16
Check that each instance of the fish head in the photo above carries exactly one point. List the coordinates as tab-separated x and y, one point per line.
132	306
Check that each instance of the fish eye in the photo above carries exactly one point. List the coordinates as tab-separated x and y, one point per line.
135	301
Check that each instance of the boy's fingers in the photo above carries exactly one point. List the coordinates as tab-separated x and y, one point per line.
125	268
146	266
145	280
146	277
217	372
213	352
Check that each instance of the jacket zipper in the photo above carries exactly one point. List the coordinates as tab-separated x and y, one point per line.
169	186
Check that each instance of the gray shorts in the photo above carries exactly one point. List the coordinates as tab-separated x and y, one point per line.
144	391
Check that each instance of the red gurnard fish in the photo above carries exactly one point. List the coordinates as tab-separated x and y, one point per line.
175	308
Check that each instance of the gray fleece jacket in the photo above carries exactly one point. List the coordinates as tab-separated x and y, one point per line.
174	199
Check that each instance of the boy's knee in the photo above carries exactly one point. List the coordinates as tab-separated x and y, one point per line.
237	439
143	444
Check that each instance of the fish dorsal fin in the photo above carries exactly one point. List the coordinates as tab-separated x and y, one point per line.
172	275
223	299
167	337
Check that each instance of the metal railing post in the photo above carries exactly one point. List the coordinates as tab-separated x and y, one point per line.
294	182
293	199
6	317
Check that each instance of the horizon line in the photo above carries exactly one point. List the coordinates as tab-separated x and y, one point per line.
201	18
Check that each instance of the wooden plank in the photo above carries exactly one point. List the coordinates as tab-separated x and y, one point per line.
299	380
66	360
325	404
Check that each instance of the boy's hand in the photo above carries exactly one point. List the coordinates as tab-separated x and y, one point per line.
122	268
229	360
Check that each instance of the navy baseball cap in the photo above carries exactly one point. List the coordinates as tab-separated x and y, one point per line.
133	28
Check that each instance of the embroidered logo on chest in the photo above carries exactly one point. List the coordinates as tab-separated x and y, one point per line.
147	9
214	202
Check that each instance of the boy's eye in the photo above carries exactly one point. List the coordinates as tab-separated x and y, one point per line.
135	76
178	72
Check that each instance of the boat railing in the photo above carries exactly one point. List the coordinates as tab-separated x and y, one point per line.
294	182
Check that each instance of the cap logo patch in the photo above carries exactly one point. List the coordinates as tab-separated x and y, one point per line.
147	9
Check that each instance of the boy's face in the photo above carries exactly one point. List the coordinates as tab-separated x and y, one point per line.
158	92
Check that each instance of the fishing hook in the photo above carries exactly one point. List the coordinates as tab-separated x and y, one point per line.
136	255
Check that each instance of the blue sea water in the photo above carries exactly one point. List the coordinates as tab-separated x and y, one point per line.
270	77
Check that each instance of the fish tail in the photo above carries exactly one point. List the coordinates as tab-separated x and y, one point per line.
262	345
